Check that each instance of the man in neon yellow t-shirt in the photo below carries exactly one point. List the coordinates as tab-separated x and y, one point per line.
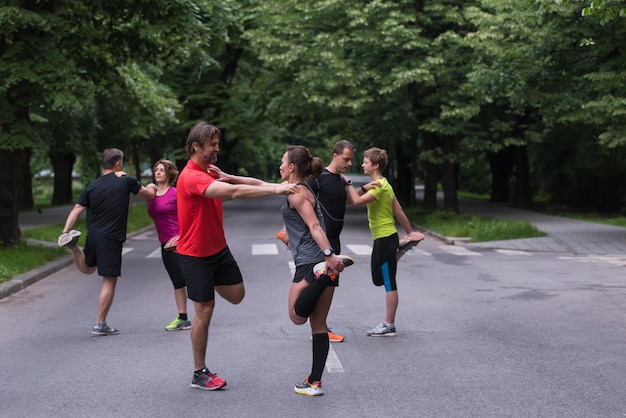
382	207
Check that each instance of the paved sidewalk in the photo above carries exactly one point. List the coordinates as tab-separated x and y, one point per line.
564	235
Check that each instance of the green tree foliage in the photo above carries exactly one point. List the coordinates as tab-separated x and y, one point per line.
64	61
368	72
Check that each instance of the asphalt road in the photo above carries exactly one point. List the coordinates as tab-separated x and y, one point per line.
482	333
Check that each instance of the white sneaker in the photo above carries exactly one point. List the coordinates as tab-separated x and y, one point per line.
320	268
382	330
68	239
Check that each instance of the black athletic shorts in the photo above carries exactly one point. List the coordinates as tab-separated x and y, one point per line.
104	253
202	274
305	272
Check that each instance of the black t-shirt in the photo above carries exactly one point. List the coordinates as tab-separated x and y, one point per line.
107	199
331	194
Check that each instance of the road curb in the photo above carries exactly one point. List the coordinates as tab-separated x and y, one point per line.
24	280
30	277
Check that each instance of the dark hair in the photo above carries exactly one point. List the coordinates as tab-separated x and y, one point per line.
307	165
377	156
170	170
200	133
110	157
341	145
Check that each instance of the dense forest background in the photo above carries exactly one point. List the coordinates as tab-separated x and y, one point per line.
516	99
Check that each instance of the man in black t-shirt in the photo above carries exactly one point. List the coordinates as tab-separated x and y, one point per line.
330	190
107	199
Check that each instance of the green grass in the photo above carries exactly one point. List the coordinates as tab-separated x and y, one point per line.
474	227
19	259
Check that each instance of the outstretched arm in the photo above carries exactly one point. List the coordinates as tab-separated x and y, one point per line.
222	190
73	217
231	178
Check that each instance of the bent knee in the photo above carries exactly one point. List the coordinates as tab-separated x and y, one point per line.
297	319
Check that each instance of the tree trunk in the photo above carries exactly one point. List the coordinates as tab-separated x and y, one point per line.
404	181
501	165
25	190
10	191
521	196
430	186
62	165
450	186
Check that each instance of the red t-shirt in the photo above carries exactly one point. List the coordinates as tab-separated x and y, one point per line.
200	218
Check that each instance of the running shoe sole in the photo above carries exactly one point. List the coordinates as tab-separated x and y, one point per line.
68	239
320	268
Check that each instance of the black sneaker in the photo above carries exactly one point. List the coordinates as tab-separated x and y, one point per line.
407	244
102	329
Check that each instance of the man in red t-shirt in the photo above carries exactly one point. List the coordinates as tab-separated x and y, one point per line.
205	259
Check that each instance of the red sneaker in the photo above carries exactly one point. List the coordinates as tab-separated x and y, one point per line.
206	380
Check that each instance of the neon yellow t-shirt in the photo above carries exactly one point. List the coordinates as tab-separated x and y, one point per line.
380	211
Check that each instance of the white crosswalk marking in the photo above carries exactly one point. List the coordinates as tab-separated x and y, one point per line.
360	249
264	249
513	252
333	365
155	254
144	236
414	251
126	250
616	261
460	251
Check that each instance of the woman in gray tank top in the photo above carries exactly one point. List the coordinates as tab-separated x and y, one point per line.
309	296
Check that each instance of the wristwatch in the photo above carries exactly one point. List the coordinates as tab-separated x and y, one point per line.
328	252
348	182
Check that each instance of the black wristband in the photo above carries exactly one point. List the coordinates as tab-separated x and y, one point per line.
364	189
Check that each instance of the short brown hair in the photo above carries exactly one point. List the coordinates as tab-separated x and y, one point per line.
110	157
201	132
170	170
377	156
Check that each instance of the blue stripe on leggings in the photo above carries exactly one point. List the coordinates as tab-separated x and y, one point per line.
386	278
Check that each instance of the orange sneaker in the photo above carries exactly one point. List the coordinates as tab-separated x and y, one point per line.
335	338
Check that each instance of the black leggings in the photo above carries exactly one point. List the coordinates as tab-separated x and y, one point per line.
170	261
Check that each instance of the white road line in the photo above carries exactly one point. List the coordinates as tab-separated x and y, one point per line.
333	365
144	236
155	254
360	249
264	249
416	251
513	252
126	250
460	251
616	261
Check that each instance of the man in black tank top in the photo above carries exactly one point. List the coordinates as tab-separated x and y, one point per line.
330	190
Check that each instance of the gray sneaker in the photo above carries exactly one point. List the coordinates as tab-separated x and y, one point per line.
101	328
382	330
68	239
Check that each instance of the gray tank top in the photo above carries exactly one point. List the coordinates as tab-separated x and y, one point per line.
304	249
